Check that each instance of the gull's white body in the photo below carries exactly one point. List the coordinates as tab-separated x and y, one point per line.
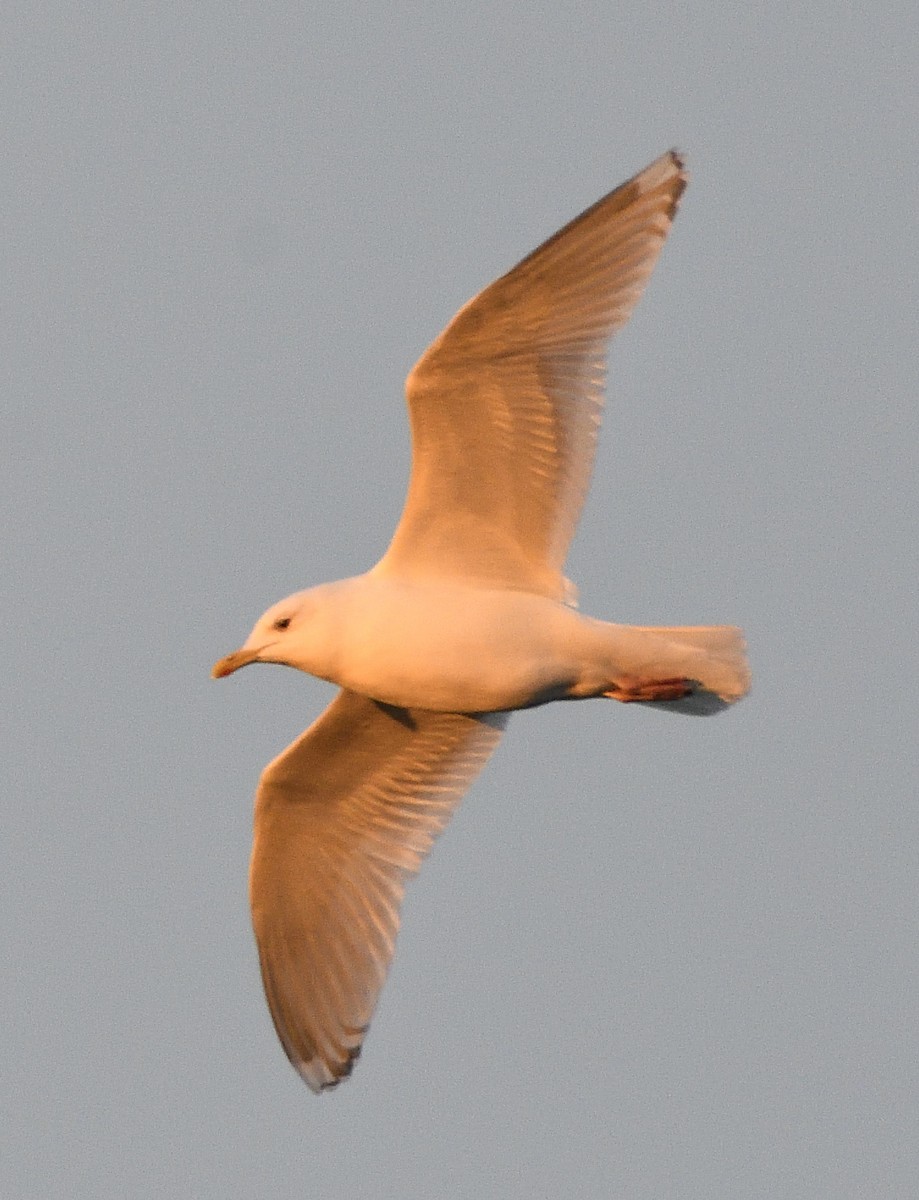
466	617
454	648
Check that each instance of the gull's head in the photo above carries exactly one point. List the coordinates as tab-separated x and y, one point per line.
279	636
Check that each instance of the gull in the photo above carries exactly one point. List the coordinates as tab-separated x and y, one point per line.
465	618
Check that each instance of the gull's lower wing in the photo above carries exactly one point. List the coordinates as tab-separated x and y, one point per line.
505	404
342	817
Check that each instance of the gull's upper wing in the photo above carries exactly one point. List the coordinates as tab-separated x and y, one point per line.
342	817
505	404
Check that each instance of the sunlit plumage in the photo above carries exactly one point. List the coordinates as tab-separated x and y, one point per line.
466	617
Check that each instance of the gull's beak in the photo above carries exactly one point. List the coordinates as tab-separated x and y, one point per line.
232	662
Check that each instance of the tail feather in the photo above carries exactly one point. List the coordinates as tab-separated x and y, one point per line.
713	656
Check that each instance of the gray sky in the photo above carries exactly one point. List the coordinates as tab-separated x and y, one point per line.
651	957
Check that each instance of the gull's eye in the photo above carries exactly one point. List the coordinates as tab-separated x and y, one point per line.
281	623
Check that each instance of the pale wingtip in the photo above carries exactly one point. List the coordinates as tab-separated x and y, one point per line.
671	162
320	1077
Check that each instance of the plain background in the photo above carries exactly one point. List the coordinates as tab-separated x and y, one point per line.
652	957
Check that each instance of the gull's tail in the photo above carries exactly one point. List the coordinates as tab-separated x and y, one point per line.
712	658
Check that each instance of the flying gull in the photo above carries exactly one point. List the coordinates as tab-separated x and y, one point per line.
466	617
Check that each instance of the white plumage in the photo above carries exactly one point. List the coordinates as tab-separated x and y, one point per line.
466	617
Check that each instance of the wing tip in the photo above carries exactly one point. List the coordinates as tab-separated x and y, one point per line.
669	172
321	1076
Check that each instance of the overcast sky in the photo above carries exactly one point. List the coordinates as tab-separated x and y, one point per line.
651	957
